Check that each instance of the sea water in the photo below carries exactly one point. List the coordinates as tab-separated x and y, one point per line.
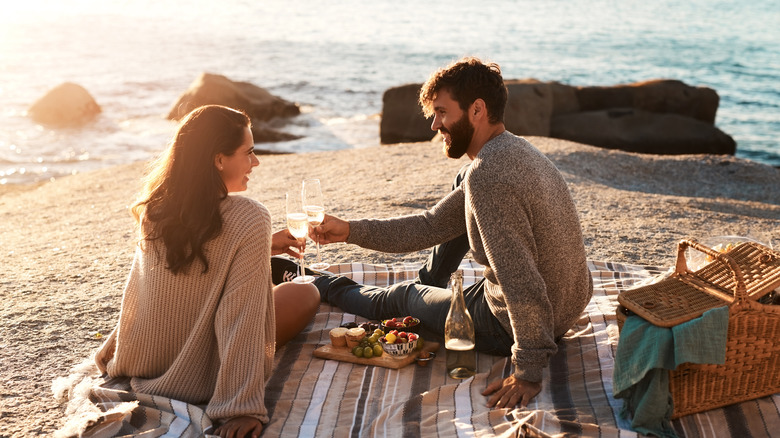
337	58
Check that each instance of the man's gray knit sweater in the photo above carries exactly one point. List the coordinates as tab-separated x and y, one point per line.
523	227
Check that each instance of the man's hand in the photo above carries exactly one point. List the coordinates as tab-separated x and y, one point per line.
511	391
240	427
282	242
331	230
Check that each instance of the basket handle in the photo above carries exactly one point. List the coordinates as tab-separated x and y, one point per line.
740	290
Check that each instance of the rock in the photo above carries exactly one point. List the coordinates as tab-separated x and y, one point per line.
66	105
266	106
529	107
214	89
564	98
659	96
657	116
528	111
635	130
270	152
267	135
402	118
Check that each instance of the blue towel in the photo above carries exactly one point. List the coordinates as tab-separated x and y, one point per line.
646	353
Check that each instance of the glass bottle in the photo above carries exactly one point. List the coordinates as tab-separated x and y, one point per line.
459	334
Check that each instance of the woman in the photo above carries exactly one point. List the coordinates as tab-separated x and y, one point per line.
199	321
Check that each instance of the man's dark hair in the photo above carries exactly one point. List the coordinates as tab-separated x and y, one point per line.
467	80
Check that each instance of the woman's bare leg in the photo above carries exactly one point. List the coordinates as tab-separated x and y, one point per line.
295	305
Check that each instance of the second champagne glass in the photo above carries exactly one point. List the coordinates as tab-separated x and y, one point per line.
298	225
314	205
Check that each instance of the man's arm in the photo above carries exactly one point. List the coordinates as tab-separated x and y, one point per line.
443	222
509	392
331	230
503	217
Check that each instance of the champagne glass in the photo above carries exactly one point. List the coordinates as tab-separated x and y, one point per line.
298	225
314	206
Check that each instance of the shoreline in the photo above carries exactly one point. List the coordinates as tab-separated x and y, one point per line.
68	244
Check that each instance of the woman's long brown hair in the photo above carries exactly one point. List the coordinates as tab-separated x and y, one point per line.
180	202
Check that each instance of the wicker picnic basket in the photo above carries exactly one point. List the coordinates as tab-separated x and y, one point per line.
742	278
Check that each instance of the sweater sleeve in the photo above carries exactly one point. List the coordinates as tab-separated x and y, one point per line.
503	216
245	328
106	352
443	222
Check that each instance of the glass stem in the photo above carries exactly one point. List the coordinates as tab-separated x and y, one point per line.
303	263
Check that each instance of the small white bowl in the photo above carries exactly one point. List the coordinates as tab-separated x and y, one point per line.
399	349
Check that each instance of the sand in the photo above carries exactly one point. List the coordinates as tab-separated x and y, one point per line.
67	245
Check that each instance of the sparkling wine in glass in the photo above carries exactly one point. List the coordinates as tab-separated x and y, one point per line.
298	224
314	205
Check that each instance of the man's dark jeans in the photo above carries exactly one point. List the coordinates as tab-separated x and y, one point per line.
427	298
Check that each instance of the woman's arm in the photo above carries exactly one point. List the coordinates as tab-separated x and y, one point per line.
282	242
244	323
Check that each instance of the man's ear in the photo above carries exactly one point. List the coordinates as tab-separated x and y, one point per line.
478	110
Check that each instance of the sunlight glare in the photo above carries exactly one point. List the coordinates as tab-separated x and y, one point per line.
31	8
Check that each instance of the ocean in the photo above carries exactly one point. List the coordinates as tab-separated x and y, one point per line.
337	58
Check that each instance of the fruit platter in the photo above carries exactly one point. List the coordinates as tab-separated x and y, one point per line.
369	344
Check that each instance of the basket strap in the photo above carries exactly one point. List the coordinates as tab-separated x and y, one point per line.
740	290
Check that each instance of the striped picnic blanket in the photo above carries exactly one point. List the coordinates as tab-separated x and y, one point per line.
312	397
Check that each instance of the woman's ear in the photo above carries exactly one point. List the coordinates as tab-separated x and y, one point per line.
218	161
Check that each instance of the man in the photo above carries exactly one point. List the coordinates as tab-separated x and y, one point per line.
518	218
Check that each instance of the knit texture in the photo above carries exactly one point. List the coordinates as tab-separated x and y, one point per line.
523	227
202	338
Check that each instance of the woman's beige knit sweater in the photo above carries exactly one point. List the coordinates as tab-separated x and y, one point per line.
202	338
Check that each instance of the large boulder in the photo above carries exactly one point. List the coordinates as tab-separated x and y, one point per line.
657	116
564	98
635	130
658	96
66	105
212	89
529	107
402	118
528	111
264	134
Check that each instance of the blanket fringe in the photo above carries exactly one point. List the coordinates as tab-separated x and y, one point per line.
75	390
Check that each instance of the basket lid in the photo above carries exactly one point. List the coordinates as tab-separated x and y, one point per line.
746	272
760	268
670	302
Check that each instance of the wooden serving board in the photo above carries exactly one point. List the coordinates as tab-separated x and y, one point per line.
344	354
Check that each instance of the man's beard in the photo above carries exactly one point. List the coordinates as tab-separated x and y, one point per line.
461	133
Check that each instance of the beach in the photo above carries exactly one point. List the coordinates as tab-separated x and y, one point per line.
67	245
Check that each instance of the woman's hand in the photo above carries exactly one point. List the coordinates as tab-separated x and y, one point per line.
240	427
282	242
331	230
